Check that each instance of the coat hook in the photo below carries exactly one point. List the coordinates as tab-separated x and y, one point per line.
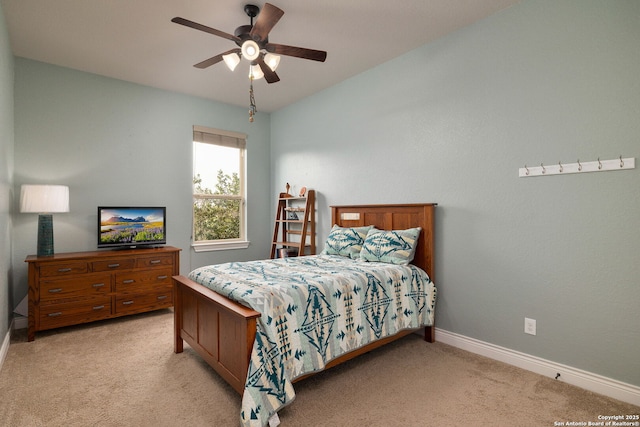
579	166
599	164
621	162
527	169
561	168
543	169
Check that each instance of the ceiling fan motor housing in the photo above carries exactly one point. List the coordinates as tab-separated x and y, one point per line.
242	32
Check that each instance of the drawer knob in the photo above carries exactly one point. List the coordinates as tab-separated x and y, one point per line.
161	297
113	265
56	314
55	290
64	270
155	261
128	281
127	302
98	307
98	285
162	277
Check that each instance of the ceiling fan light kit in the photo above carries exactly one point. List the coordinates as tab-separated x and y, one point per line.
250	50
254	46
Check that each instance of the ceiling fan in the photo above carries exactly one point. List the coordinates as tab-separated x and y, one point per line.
253	44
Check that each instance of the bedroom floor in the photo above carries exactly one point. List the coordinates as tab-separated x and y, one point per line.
123	372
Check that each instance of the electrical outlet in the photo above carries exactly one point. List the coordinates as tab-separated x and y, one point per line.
529	326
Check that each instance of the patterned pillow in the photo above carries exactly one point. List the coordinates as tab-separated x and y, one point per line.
345	241
394	247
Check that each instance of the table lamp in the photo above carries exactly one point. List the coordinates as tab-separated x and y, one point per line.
44	200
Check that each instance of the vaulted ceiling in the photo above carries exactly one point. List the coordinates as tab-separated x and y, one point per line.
137	42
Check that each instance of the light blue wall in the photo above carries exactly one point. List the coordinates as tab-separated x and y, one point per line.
451	122
6	175
118	143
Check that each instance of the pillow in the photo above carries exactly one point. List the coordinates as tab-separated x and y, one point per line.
394	247
345	241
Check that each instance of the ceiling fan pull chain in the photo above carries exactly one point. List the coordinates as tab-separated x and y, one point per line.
252	101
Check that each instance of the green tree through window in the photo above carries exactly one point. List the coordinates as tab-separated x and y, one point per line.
218	187
216	219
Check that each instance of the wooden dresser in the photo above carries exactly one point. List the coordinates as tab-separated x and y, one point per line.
72	288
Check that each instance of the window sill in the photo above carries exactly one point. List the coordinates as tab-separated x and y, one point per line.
220	246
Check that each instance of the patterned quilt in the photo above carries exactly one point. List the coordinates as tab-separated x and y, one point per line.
315	308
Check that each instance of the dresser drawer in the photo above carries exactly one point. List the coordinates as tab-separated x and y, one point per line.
143	280
56	315
85	286
154	261
135	303
63	268
114	264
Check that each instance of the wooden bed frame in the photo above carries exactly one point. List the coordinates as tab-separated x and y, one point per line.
222	331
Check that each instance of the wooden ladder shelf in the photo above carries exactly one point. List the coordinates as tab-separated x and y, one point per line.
294	232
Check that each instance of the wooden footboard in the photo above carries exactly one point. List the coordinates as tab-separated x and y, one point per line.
221	331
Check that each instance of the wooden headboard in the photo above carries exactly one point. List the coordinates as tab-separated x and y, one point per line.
394	217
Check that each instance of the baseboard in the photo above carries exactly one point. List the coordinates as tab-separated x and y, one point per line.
5	345
583	379
20	322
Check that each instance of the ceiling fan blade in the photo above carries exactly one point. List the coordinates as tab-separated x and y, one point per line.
267	19
215	59
298	52
269	75
204	28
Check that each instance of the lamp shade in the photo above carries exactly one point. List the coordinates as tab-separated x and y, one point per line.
232	60
255	72
44	198
272	60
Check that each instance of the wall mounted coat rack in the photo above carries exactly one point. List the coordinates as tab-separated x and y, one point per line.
578	167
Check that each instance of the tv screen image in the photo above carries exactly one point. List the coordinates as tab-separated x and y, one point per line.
131	226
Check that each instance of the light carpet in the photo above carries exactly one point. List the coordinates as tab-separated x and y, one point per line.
123	372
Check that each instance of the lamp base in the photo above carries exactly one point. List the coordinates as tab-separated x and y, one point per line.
45	235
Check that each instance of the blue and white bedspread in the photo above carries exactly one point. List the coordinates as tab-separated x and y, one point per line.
315	308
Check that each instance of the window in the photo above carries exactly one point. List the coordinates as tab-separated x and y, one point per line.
219	216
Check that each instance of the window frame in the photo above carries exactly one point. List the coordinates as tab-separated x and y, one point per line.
229	139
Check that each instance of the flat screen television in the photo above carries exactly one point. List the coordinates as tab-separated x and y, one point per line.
131	226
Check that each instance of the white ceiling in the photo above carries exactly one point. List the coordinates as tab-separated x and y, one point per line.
135	40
